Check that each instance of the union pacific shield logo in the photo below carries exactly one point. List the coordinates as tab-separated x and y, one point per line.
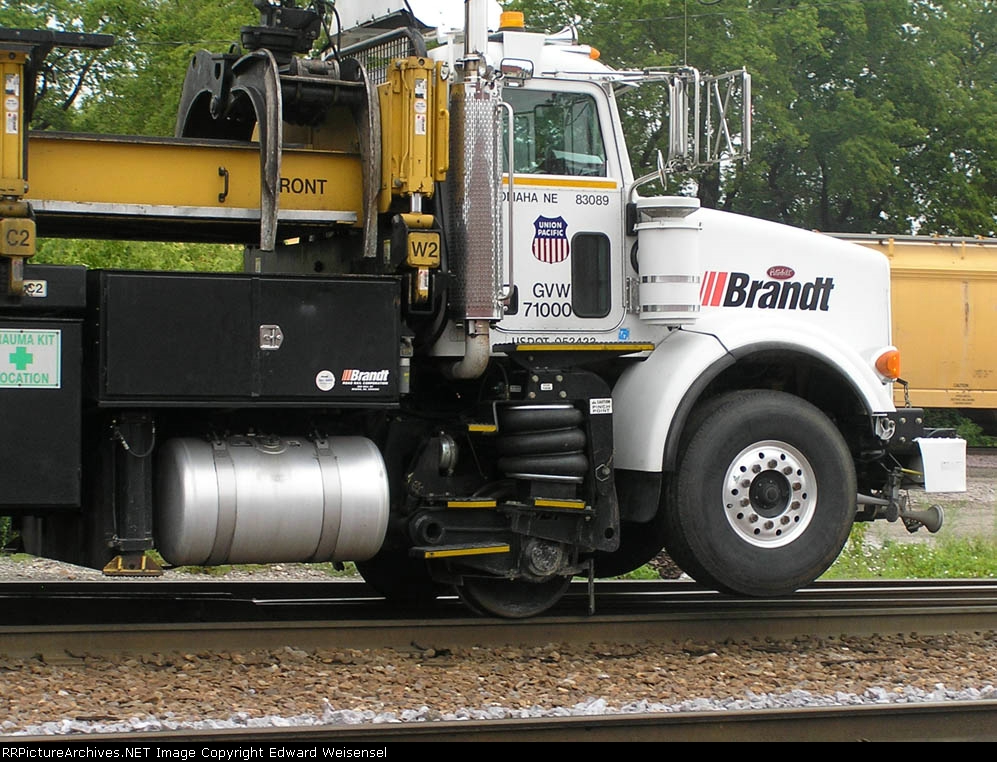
550	239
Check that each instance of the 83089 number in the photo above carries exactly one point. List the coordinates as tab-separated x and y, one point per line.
591	199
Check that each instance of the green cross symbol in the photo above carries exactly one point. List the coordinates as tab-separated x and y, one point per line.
21	358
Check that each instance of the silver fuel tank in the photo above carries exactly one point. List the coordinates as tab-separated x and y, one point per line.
248	499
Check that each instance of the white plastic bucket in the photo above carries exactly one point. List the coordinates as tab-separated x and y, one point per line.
943	464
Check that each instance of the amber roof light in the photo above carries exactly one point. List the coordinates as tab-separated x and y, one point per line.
512	21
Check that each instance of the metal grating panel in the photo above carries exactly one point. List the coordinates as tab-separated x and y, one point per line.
377	53
475	219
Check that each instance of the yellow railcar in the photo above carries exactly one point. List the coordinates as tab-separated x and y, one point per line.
944	306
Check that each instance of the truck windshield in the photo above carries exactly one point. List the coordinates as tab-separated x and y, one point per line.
557	133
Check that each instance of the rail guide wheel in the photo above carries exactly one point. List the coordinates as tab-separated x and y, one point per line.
511	598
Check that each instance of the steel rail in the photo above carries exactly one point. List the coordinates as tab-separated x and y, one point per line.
344	616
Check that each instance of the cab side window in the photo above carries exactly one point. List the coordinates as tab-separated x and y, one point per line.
556	133
590	275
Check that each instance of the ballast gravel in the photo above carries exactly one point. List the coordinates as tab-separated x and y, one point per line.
293	687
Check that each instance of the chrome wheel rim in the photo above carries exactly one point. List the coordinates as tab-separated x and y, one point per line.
770	494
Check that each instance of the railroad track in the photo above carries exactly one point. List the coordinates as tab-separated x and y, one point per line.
627	611
142	617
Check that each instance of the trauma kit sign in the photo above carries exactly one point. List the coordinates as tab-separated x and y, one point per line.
30	359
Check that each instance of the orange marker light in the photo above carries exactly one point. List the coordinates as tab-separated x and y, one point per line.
888	364
512	20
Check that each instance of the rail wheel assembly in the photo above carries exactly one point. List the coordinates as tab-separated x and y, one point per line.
511	598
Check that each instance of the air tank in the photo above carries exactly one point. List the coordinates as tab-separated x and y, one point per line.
249	499
668	260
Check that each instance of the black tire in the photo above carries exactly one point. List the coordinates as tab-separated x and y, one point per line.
639	543
403	580
764	496
674	539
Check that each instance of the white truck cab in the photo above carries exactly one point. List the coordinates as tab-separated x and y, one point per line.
748	325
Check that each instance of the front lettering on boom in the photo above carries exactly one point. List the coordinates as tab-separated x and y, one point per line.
308	186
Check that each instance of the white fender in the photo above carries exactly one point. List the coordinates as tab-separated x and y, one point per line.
847	330
648	394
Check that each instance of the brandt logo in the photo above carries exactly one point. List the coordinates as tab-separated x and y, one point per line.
781	272
729	289
351	376
365	380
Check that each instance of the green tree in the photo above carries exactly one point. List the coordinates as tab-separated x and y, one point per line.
157	40
132	88
868	114
832	140
954	171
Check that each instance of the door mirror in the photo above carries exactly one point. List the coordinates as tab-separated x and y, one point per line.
516	70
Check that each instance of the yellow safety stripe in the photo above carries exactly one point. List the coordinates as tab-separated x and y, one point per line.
610	347
472	503
482	428
547	182
452	552
548	503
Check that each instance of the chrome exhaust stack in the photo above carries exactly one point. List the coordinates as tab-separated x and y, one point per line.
475	219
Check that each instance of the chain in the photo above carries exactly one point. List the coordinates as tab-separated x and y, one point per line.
906	392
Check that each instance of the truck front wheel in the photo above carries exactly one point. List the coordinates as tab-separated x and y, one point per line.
764	496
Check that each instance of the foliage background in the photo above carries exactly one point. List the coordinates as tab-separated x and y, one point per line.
132	88
870	115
